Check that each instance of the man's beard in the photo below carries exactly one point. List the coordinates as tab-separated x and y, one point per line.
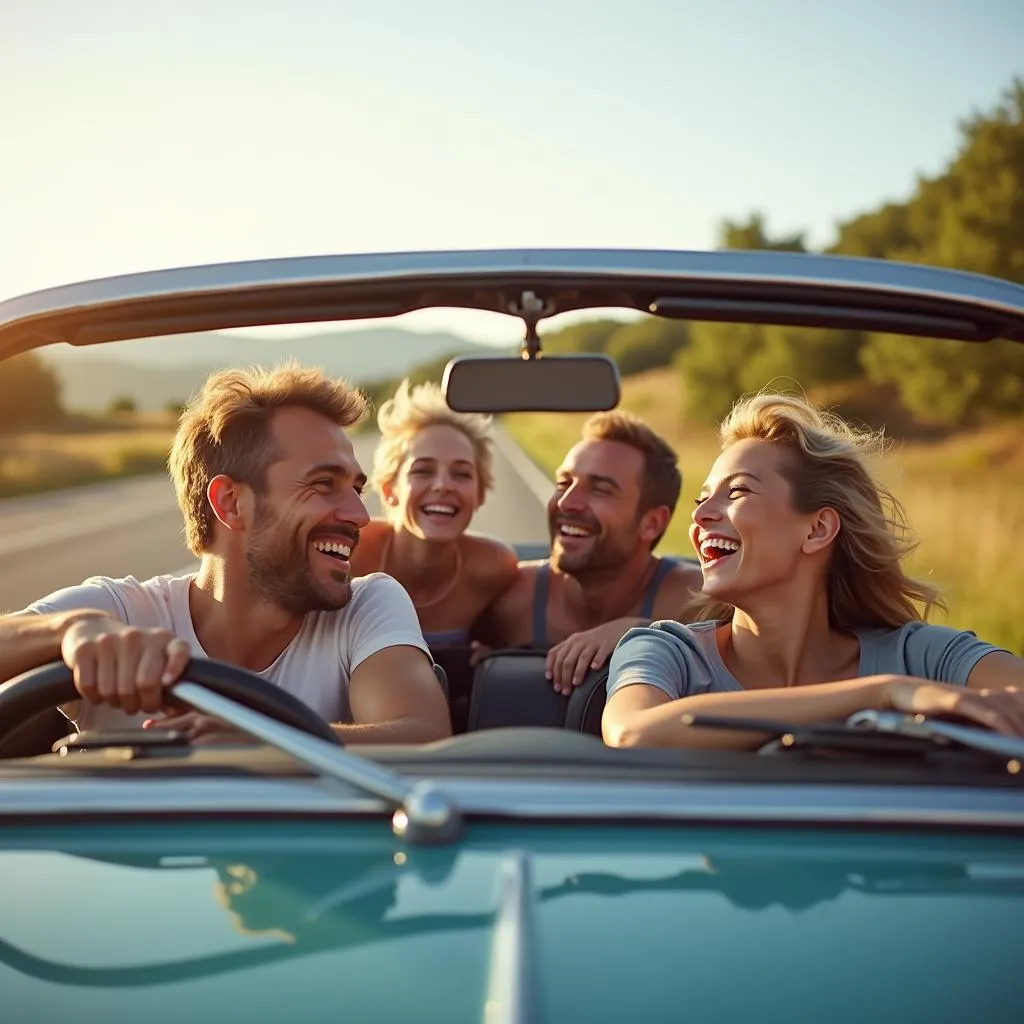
279	571
606	551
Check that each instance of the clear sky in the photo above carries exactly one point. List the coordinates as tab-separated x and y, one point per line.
142	135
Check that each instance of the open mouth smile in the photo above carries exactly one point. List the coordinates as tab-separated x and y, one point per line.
573	531
340	551
715	550
441	509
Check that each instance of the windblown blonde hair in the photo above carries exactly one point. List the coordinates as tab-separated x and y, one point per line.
827	467
414	408
225	429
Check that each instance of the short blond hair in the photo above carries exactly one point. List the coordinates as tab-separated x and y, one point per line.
414	408
225	429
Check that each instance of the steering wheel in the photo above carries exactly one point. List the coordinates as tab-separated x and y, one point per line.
45	687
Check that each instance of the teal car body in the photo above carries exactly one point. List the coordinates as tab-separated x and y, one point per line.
260	922
238	886
874	872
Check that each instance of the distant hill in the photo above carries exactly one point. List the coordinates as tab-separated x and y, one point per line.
155	371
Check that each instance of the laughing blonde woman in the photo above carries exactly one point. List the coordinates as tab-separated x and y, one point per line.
810	614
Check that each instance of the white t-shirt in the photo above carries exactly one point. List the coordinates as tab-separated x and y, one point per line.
315	666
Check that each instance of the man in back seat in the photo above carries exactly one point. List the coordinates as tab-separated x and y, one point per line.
615	494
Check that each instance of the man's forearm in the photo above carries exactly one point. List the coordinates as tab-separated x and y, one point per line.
399	730
28	641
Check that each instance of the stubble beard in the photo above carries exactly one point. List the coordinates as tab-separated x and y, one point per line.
279	570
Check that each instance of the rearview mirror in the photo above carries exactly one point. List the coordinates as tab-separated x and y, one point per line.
573	383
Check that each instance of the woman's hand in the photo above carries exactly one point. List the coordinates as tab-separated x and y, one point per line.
999	710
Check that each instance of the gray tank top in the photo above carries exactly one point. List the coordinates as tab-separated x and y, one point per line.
542	584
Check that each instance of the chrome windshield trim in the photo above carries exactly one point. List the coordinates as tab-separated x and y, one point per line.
360	286
509	998
705	802
423	813
374	267
973	737
55	797
741	802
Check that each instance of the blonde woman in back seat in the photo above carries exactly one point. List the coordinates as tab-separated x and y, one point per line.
432	470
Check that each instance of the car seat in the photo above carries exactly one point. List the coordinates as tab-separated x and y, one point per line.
509	689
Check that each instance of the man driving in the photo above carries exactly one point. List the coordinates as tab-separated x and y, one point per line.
615	494
270	489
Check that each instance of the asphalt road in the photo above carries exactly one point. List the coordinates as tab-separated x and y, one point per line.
133	527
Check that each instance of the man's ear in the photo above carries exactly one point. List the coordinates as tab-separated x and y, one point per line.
226	498
824	528
653	523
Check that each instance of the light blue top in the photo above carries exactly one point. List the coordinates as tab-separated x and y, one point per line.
684	660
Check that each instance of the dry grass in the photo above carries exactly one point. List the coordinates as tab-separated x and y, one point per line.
45	461
964	499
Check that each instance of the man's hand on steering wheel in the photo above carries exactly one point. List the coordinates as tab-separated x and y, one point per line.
124	666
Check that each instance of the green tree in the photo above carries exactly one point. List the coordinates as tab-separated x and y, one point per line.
713	365
586	336
379	391
884	233
123	405
647	344
948	382
722	361
971	217
753	235
29	393
805	355
978	222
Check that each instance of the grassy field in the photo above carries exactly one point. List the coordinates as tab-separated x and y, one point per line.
42	461
964	498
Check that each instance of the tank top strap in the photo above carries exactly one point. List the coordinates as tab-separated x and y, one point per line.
665	566
541	584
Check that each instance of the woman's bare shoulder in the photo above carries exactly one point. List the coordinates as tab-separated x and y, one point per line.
490	557
366	557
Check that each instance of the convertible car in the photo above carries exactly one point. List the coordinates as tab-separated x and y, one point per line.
521	871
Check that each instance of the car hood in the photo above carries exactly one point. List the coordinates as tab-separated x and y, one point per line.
278	922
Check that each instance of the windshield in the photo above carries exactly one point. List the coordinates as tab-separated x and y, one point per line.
119	405
105	416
